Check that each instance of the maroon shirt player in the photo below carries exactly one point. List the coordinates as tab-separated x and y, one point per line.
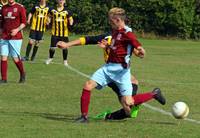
117	70
13	21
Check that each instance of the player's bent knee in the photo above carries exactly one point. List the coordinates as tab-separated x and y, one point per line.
31	42
134	80
127	100
89	85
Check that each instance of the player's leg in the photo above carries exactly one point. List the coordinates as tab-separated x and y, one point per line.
97	80
28	49
30	44
65	51
135	83
144	97
15	48
35	49
52	48
126	100
85	100
4	49
39	38
120	114
4	69
138	100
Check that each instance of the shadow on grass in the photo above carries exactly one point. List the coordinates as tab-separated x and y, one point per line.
57	117
71	118
51	116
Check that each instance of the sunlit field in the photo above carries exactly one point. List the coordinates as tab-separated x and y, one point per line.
47	104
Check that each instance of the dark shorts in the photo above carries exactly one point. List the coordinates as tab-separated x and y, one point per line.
36	35
55	39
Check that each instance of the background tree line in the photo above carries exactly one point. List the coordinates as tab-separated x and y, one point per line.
175	18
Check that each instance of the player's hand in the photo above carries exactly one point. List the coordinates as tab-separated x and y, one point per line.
14	32
103	43
139	52
28	22
62	45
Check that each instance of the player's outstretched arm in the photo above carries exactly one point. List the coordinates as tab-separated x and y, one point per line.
64	45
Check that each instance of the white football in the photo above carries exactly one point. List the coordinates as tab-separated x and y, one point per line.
180	110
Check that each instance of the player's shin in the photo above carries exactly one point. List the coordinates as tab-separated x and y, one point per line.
142	98
65	53
28	50
20	67
51	52
35	49
85	101
4	66
117	115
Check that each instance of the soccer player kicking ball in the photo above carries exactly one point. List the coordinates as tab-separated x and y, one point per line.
13	21
95	40
117	70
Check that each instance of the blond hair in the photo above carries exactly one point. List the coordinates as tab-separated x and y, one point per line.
117	12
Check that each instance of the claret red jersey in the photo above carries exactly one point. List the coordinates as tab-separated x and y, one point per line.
12	17
122	45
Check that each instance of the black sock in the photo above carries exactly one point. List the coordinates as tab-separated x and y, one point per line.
135	88
35	48
51	52
28	49
65	53
117	115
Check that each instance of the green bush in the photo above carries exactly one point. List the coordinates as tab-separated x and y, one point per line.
162	17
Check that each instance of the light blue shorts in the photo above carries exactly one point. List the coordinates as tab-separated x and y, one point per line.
113	72
10	48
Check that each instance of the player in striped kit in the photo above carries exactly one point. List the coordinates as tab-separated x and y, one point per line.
61	19
39	16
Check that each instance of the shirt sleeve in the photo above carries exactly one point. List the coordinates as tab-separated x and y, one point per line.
95	39
23	15
82	40
133	40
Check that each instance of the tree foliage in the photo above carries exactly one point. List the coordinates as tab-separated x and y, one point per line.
163	17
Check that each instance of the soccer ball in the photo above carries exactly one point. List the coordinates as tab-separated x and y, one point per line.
180	110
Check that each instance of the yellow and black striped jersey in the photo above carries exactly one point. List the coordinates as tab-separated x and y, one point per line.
39	17
60	21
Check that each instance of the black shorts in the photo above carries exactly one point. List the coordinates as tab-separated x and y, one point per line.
55	39
36	35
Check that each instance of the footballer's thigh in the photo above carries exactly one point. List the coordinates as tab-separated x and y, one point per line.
101	78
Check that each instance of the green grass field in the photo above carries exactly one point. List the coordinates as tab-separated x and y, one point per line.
47	104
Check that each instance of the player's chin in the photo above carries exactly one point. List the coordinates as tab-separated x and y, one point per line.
140	55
